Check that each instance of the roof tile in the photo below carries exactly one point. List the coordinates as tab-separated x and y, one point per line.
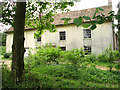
74	14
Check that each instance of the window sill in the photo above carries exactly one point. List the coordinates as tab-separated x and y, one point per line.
62	40
87	38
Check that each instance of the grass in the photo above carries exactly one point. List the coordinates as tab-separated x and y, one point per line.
65	77
106	64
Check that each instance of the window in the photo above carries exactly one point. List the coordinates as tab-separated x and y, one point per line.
26	52
87	49
63	48
87	33
62	35
39	39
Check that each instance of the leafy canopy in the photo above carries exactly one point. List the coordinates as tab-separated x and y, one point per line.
39	15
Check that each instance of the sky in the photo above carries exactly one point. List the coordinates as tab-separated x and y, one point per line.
84	4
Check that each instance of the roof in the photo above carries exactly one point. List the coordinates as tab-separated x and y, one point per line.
74	14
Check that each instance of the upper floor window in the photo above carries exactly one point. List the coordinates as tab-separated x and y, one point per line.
87	33
87	49
38	39
62	35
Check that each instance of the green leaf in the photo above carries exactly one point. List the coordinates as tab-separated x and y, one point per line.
93	22
101	9
117	67
94	15
97	11
78	21
93	27
101	21
65	22
116	16
111	12
86	17
65	18
86	25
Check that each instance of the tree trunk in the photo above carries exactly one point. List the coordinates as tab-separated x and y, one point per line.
18	42
119	37
119	26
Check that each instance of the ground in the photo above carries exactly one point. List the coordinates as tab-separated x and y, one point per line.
8	63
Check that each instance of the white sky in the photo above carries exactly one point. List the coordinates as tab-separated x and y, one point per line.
84	4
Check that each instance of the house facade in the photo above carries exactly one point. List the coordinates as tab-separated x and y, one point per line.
70	36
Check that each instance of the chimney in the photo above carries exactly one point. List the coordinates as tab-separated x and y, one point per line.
109	2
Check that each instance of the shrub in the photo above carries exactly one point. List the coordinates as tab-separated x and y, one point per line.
7	55
109	56
2	50
75	56
91	58
45	55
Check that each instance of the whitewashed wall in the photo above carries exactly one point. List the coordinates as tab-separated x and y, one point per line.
101	38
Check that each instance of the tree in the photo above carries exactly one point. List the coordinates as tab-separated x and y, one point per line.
118	26
22	14
18	42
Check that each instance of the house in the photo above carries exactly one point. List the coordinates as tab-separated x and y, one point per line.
69	36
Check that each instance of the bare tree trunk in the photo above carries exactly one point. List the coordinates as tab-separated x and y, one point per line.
119	38
18	42
119	26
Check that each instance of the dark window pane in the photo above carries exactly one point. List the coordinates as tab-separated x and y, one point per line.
87	33
39	39
87	49
63	48
62	36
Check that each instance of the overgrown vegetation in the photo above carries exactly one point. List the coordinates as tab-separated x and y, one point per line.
2	50
51	67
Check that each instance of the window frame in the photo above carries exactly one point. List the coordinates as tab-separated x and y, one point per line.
87	50
62	37
86	33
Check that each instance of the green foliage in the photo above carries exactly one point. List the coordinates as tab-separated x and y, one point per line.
86	25
91	58
117	67
45	55
78	21
3	39
51	67
6	77
98	18
7	55
75	56
2	50
93	27
68	73
109	55
66	20
86	17
38	14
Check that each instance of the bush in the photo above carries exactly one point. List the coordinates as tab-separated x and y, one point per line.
7	55
2	50
91	58
45	55
109	55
